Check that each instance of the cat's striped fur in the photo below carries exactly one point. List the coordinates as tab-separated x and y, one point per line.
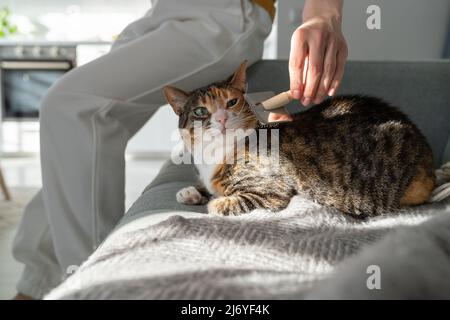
355	153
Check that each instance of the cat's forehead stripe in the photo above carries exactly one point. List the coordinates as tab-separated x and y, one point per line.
213	93
212	97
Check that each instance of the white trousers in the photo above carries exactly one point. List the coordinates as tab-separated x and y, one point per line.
89	115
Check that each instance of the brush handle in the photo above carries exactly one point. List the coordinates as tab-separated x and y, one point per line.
277	101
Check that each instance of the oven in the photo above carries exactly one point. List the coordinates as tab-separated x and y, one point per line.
26	74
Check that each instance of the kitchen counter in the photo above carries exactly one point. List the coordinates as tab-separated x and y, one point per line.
81	51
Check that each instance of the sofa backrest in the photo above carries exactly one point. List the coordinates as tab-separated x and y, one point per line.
420	89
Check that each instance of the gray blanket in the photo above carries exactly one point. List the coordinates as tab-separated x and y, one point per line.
304	251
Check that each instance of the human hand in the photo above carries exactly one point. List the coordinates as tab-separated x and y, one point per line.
278	117
318	52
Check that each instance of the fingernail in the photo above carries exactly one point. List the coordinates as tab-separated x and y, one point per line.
306	101
331	92
296	94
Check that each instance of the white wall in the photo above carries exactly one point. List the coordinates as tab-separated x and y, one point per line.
411	29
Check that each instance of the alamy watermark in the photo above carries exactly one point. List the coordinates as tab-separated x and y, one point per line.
213	146
373	21
374	280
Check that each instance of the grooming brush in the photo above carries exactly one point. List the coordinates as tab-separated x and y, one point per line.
264	103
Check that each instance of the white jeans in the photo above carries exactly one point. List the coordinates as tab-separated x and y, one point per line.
89	115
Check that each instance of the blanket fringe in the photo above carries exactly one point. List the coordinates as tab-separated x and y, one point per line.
443	182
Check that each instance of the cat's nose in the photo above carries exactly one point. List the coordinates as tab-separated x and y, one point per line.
221	118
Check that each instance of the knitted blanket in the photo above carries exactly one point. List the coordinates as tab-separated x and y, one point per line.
304	251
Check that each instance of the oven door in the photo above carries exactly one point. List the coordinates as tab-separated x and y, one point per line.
23	84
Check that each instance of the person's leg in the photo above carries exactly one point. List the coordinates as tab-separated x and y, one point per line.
33	246
88	117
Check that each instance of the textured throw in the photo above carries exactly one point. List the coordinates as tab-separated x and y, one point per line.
304	251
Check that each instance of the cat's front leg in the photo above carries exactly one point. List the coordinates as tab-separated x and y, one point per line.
238	204
226	206
193	196
241	203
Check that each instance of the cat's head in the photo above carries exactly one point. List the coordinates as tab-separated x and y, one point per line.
218	107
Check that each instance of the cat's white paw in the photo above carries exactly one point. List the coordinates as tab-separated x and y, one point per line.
189	195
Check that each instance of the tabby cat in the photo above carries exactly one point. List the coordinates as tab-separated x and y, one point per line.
355	153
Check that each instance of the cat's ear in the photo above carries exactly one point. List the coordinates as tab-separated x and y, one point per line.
239	79
176	98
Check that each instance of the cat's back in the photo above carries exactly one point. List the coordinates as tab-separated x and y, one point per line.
352	121
353	111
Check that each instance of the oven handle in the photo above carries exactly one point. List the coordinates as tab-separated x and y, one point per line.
36	65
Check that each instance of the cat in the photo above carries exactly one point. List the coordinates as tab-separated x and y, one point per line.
355	153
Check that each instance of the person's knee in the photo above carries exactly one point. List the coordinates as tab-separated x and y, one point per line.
63	102
64	97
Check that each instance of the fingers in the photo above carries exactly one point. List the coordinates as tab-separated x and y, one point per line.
276	117
317	60
340	65
329	71
297	63
315	69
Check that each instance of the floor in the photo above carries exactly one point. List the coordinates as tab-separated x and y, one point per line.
24	179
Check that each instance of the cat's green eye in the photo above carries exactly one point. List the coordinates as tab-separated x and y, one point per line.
200	112
231	103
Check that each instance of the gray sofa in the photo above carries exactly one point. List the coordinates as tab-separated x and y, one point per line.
163	249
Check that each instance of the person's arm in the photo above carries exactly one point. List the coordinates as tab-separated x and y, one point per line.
318	51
